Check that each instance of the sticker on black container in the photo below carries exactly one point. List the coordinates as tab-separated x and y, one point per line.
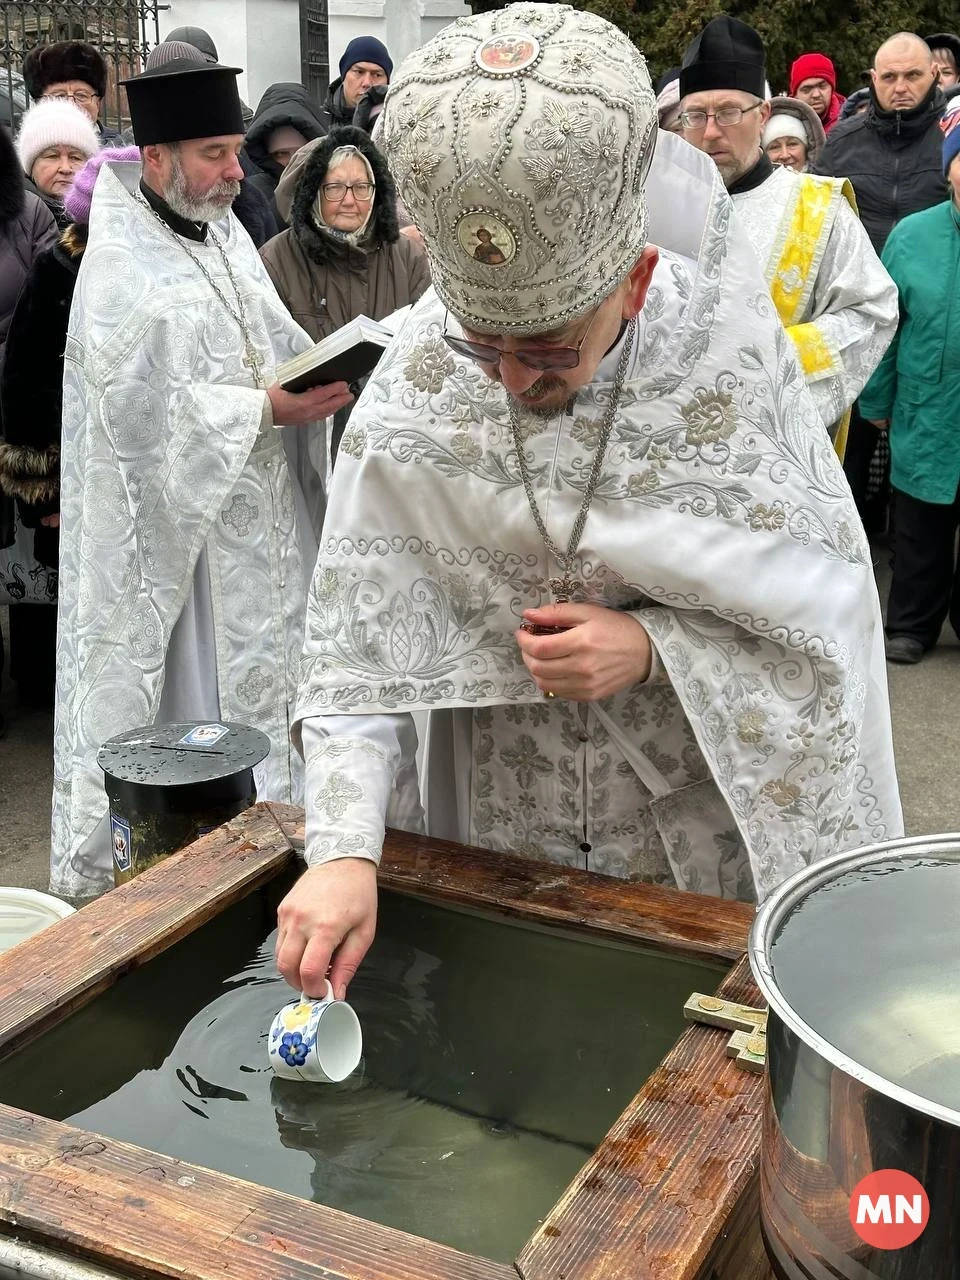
203	735
120	830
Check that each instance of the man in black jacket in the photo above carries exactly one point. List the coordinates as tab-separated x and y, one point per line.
365	63
892	154
285	108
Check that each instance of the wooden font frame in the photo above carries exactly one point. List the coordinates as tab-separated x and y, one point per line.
670	1193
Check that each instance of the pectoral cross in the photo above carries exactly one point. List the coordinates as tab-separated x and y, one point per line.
564	587
254	363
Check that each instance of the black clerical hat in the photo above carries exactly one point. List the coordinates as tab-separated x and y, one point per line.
727	54
184	99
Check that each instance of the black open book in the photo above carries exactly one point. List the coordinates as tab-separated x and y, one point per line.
347	355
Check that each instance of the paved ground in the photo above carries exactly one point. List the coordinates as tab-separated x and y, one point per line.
926	721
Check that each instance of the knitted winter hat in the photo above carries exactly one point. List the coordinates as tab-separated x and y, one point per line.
49	64
173	51
366	49
812	66
54	124
78	198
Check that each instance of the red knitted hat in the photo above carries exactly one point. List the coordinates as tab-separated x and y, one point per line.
812	66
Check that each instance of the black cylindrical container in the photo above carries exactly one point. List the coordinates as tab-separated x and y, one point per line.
169	783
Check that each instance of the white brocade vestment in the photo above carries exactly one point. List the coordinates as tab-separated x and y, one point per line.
721	521
186	538
842	303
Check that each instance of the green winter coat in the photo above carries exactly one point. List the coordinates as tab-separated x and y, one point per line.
917	383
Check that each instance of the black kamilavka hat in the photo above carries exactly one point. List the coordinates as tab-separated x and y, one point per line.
182	100
727	54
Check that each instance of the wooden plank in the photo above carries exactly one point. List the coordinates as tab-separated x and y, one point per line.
145	1215
653	1200
740	1253
685	924
65	966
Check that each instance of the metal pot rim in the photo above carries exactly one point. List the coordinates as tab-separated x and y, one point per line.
766	926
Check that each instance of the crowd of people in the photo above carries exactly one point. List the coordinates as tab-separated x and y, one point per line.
588	515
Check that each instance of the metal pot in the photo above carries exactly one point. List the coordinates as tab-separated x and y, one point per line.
858	957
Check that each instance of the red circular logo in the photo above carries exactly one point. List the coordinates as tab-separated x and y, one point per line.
889	1209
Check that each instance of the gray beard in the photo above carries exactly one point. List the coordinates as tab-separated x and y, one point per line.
211	208
542	411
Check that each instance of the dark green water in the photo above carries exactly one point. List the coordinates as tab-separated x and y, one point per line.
495	1059
871	962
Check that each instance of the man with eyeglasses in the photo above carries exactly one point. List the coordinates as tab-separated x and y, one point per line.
834	297
585	517
70	71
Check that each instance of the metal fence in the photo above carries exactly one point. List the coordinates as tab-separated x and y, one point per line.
314	48
123	30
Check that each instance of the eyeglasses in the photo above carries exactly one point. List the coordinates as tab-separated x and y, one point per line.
726	117
81	99
336	191
540	360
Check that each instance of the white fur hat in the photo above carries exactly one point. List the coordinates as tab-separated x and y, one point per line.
54	124
520	140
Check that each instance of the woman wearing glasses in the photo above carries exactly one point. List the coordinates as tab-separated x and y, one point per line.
70	71
342	255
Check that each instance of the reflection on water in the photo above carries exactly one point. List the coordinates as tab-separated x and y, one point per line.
496	1057
870	962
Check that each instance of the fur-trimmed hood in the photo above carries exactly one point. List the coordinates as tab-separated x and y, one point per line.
301	181
12	190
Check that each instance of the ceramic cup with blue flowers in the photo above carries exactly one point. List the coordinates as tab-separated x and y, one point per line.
317	1040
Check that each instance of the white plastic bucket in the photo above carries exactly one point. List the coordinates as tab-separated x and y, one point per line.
24	912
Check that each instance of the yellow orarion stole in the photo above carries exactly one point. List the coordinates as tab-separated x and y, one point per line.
804	232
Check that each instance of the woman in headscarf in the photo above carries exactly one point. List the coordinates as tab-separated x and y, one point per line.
342	255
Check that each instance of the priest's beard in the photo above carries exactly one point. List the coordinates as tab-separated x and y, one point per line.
194	204
548	396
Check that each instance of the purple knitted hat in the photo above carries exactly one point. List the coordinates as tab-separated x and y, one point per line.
78	198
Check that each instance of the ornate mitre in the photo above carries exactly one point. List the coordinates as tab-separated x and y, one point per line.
520	141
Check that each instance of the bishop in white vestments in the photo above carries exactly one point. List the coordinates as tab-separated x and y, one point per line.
585	518
189	523
831	291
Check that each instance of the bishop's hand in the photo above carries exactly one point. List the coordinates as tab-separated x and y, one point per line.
327	922
291	410
602	652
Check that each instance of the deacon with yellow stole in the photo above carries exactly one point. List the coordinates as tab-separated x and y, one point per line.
831	292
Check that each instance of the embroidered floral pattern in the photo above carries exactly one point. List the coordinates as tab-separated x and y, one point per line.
709	416
353	442
254	685
428	366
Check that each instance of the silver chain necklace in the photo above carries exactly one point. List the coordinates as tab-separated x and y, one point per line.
565	586
251	359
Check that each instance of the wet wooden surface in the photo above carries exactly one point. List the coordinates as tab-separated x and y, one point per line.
669	1195
64	967
682	923
652	1201
145	1215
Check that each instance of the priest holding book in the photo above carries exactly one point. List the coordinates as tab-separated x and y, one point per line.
189	525
585	518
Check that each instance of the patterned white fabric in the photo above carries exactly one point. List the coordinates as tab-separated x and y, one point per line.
852	301
169	462
722	521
